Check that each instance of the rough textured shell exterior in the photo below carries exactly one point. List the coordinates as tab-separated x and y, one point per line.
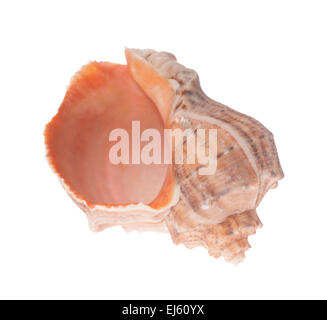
217	211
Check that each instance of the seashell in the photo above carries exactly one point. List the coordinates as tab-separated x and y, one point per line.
216	211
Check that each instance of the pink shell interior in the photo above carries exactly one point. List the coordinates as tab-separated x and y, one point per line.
101	98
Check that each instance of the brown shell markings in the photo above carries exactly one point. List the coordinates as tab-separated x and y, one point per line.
215	211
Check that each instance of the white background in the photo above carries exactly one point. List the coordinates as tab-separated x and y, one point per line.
263	58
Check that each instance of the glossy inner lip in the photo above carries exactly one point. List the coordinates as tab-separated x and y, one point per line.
101	98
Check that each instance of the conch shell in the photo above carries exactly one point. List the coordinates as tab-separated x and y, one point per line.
217	211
